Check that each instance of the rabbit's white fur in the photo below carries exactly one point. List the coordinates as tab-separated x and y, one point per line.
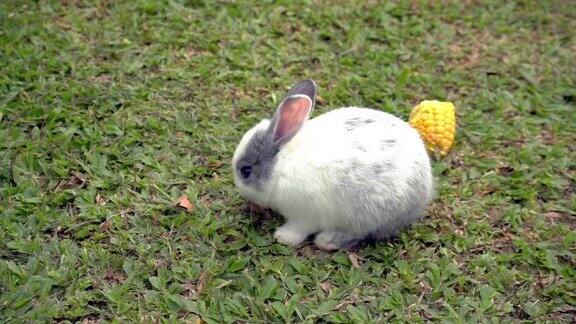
345	184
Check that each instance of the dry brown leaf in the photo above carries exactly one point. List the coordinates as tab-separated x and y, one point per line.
205	201
189	290
215	164
76	180
326	286
553	217
105	226
426	314
103	78
115	277
342	305
161	158
424	288
99	200
185	203
355	258
201	282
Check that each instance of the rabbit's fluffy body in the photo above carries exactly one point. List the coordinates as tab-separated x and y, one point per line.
349	174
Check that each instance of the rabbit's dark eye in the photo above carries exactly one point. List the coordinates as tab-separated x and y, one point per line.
245	171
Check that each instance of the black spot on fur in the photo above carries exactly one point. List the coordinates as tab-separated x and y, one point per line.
358	146
387	143
379	168
356	122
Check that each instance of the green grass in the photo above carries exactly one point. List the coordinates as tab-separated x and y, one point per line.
110	111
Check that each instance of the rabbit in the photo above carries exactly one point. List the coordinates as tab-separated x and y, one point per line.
348	175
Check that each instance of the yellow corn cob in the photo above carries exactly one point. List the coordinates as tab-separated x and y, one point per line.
436	123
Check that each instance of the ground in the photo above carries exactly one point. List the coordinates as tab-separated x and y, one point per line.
110	111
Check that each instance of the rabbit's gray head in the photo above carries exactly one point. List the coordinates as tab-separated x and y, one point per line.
257	152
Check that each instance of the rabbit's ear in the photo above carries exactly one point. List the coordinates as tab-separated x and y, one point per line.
289	118
306	87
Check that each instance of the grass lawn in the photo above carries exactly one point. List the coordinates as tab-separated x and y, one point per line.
112	110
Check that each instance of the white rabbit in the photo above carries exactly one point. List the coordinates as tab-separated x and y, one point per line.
347	175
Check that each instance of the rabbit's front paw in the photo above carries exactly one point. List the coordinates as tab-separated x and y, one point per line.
289	235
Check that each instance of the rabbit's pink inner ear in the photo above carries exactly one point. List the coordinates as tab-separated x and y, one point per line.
292	114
